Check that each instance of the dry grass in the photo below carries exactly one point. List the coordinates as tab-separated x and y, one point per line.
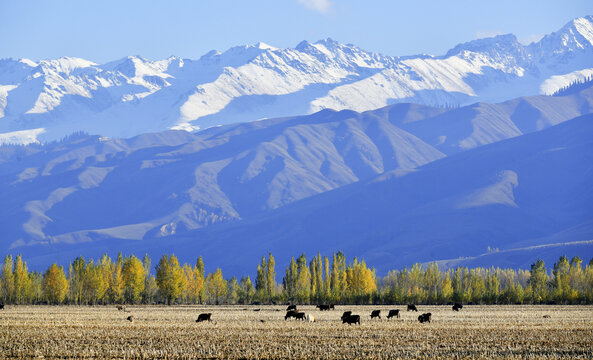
238	332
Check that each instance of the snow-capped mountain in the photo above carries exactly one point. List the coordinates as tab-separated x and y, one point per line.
50	99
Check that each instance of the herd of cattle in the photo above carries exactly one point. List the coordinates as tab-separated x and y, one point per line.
347	316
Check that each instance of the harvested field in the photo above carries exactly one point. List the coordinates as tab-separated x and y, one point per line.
240	332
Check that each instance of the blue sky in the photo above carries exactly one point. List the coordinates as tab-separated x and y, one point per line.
110	29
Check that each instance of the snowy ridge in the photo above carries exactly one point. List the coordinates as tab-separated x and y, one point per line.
135	95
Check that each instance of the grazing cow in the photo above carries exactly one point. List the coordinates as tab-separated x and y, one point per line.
311	318
300	316
425	317
346	314
121	308
547	316
352	319
290	314
1	306
376	314
291	307
393	313
204	317
323	307
412	307
256	309
130	318
457	307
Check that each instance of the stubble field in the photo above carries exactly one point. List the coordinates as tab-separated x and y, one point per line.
242	332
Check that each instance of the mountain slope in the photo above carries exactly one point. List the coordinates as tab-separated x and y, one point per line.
514	196
50	99
87	192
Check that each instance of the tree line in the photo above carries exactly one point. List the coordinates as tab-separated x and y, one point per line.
129	280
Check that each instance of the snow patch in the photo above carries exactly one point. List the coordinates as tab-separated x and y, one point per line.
22	137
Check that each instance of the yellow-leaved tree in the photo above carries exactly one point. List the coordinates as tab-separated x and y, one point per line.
216	286
360	279
55	284
133	279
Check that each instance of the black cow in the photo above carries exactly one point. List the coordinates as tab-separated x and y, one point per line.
290	314
346	314
291	307
351	319
412	307
130	318
323	307
204	317
393	313
425	317
1	306
300	316
457	307
376	313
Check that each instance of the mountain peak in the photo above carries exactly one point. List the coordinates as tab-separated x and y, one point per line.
496	43
576	35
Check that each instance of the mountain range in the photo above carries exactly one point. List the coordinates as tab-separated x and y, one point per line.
50	99
400	184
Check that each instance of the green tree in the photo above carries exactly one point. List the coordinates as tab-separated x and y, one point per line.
247	291
477	286
216	286
492	287
577	280
169	278
55	284
233	290
338	276
290	280
150	288
432	278
7	280
76	272
538	282
261	282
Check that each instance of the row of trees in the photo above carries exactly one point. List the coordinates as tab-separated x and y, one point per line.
130	280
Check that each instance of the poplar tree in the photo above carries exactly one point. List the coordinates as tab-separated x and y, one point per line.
21	280
303	283
169	278
261	282
55	284
216	286
76	272
538	282
271	276
338	276
95	285
246	292
7	280
133	279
